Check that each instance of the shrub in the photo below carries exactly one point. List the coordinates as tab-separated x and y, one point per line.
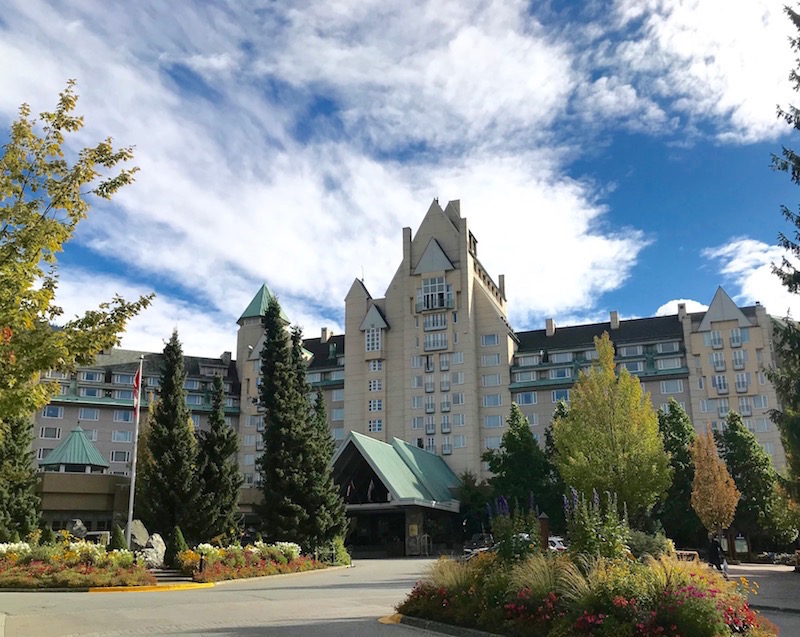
289	549
594	529
517	535
175	546
641	544
117	542
340	553
48	537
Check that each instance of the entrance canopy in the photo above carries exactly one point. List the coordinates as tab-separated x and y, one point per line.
374	475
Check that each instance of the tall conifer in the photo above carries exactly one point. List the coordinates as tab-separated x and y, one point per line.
18	502
170	494
219	474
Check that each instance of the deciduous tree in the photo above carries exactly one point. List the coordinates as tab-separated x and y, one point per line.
714	493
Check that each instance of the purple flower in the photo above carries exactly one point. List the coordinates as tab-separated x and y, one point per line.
574	492
596	498
566	504
502	506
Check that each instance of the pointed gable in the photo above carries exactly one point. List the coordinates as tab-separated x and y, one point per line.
374	318
433	259
358	291
722	308
258	306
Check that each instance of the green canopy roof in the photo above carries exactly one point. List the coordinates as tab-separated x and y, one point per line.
76	449
258	306
410	474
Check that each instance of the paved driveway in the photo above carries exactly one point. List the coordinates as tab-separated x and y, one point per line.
342	602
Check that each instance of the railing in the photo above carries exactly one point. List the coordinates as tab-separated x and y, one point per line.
746	410
736	341
738	364
741	388
440	302
719	366
722	389
430	429
430	388
716	343
430	409
445	405
447	450
444	385
445	428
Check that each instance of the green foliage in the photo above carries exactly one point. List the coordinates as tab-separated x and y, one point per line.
117	539
340	553
473	496
48	536
517	535
43	197
609	439
218	471
594	528
18	501
674	509
175	545
519	467
655	545
170	491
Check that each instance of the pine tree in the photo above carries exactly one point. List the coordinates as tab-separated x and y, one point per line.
284	512
175	545
117	539
170	494
674	510
714	493
609	439
519	466
18	501
220	479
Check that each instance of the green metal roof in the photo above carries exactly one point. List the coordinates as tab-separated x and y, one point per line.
409	473
76	449
258	306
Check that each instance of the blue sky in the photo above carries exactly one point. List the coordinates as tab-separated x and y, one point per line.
608	155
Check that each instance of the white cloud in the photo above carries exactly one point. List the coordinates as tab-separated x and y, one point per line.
671	307
747	264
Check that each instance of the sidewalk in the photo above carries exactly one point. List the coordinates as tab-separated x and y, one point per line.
778	586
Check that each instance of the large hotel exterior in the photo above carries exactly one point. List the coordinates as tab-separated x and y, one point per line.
435	363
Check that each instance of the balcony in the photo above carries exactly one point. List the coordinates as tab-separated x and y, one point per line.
716	343
444	385
430	428
722	411
738	364
746	410
447	450
445	428
430	408
434	302
445	406
719	366
430	388
430	448
722	390
741	388
736	341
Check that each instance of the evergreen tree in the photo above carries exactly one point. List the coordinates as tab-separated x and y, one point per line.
220	479
284	513
609	439
674	510
473	496
519	466
117	539
714	493
759	508
48	536
170	494
18	501
175	545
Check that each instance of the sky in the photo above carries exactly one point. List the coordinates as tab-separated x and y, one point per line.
608	155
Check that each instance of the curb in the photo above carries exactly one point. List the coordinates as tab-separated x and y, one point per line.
151	589
774	609
436	627
263	577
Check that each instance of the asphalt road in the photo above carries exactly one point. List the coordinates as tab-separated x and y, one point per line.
335	603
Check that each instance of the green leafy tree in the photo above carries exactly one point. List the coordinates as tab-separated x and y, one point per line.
519	466
759	509
170	494
220	479
18	501
473	496
285	512
609	439
43	197
674	509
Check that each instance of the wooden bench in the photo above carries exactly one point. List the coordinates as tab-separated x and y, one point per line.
688	556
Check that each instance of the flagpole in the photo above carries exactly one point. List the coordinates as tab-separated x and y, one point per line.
137	403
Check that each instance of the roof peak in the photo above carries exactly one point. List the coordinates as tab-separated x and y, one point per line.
258	306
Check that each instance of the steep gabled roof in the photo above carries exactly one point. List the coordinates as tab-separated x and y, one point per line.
433	259
722	308
76	449
373	318
258	306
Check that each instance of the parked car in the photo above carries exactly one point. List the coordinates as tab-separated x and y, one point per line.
478	543
556	543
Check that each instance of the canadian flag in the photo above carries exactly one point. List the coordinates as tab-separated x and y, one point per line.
137	384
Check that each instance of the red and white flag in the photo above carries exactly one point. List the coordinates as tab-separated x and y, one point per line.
137	386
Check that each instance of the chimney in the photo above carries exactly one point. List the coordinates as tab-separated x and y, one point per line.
550	327
614	320
681	311
326	335
226	358
502	281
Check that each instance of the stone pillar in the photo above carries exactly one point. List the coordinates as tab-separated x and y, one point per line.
414	530
544	529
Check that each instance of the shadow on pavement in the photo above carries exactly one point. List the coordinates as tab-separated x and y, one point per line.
333	628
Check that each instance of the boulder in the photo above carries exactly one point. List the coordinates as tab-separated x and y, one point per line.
139	535
154	552
77	528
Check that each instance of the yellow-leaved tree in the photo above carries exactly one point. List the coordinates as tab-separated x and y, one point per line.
714	493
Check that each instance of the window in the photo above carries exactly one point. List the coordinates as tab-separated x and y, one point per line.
762	425
713	339
416	422
444	382
719	382
524	377
373	385
723	407
762	378
430	404
120	456
121	436
430	385
336	432
436	321
634	367
55	375
630	350
533	419
459	441
63	390
493	442
375	426
337	374
665	407
375	366
739	358
314	377
560	372
760	401
769	448
457	358
249	459
123	394
489	340
430	444
446	424
152	381
525	398
493	421
435	341
668	363
590	355
430	425
490	380
337	395
41	454
375	405
458	398
707	406
255	421
672	386
249	440
743	380
667	348
90	392
490	360
458	378
459	420
444	362
701	382
416	382
123	415
337	414
53	433
123	379
191	383
560	394
455	317
51	411
88	413
745	407
447	446
560	357
248	479
372	337
92	377
739	335
91	434
528	360
228	421
492	400
717	360
434	294
194	399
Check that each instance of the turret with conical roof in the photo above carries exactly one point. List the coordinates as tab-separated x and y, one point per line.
258	306
76	454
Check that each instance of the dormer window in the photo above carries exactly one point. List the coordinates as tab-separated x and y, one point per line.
372	339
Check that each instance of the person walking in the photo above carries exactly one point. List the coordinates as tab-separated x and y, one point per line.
715	555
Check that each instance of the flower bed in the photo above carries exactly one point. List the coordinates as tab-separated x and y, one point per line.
238	562
552	596
68	564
